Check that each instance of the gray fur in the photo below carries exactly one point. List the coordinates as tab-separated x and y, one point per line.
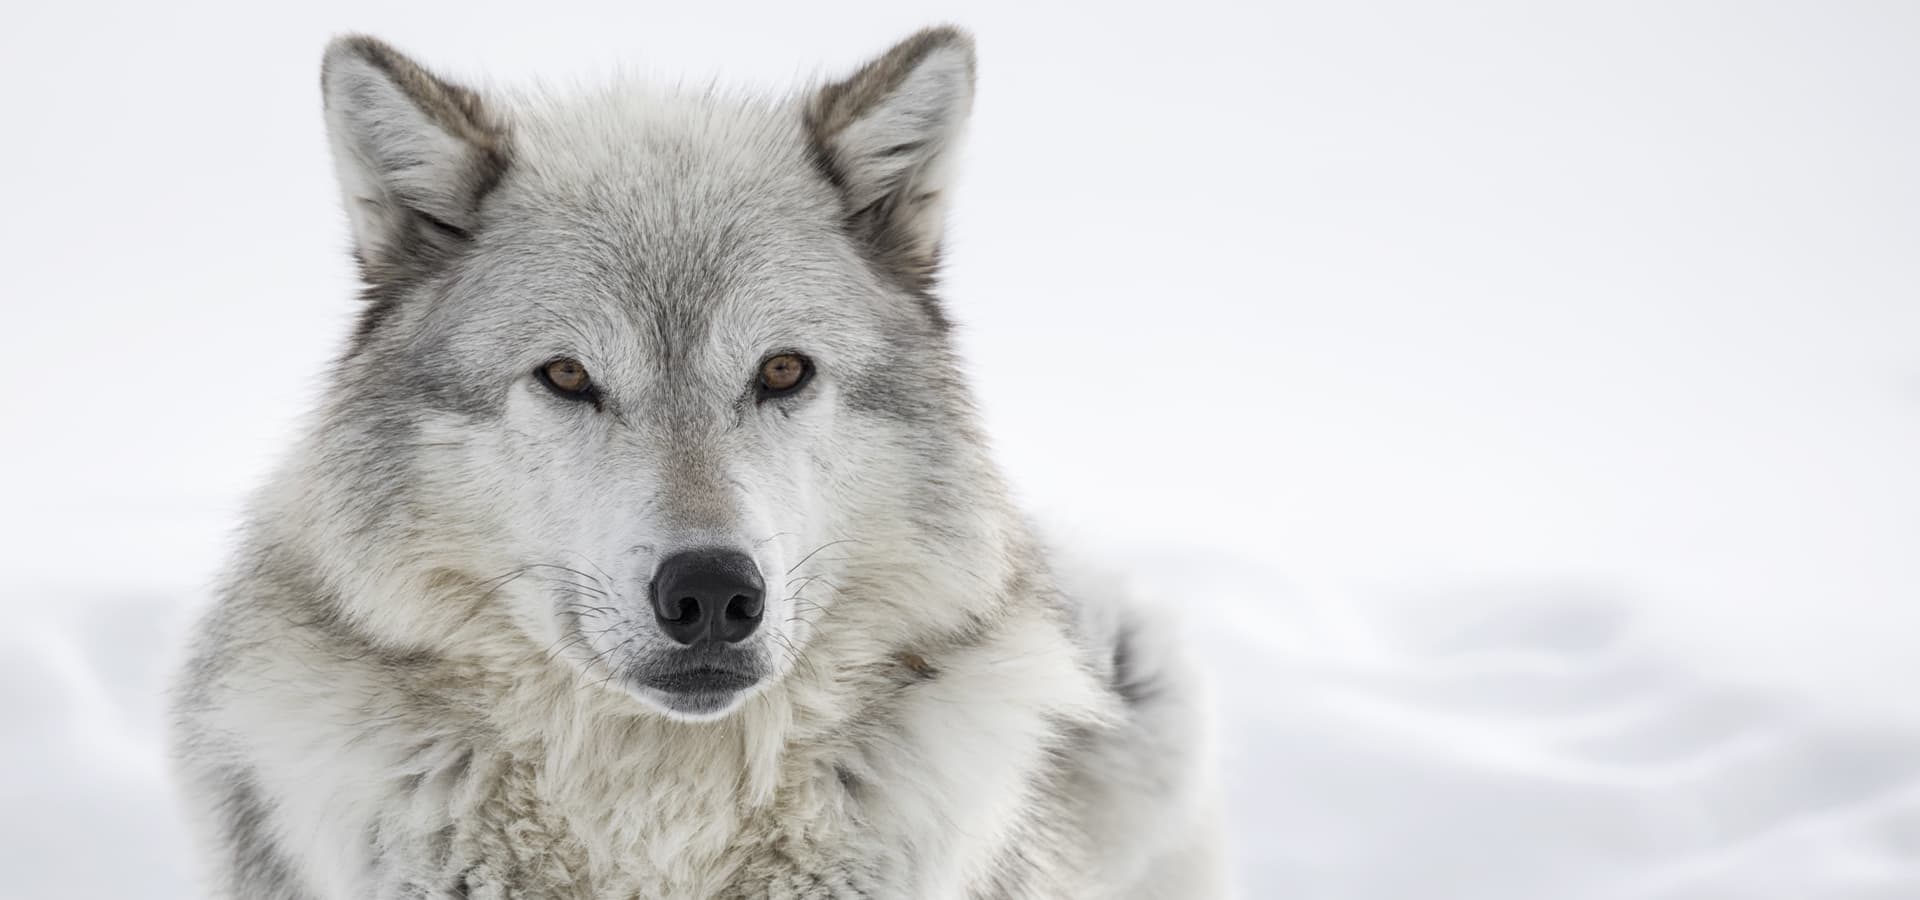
421	677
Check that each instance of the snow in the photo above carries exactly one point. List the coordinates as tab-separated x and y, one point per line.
1520	404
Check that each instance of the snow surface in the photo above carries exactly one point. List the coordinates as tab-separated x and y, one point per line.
1522	404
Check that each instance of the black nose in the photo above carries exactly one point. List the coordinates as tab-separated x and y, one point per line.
707	595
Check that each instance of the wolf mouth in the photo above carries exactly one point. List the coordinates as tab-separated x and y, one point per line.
700	681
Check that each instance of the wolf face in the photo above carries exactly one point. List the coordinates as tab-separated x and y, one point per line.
645	376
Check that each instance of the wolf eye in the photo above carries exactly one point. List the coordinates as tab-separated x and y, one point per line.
568	378
783	374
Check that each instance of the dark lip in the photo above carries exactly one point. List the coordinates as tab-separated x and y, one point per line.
700	680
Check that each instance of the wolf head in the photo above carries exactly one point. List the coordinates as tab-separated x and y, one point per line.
656	378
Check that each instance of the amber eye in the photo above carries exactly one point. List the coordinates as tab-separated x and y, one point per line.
567	377
784	374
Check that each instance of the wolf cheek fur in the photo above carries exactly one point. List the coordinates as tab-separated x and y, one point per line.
444	661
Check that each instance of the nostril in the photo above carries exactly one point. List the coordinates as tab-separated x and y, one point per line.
743	607
685	609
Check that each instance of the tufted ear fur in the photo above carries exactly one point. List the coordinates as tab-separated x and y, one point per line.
886	137
414	154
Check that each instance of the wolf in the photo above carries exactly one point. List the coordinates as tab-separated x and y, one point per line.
645	542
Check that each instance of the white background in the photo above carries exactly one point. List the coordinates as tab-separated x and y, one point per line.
1521	401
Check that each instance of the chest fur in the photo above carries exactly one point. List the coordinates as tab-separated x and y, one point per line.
626	816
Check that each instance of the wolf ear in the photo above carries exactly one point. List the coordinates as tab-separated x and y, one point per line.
886	138
414	154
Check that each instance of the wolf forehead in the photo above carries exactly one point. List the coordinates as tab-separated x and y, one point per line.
694	192
627	205
682	245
